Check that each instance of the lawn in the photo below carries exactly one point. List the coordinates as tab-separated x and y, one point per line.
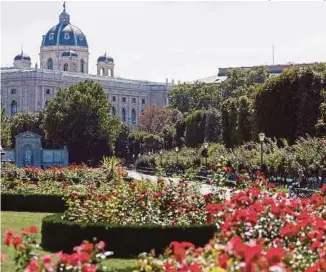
18	220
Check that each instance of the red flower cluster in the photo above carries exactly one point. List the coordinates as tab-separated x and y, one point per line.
85	258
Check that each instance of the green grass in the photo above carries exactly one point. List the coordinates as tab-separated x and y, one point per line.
18	220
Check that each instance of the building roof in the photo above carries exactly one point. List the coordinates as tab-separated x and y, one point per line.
22	56
105	58
64	33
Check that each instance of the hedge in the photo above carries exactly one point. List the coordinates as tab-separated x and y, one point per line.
124	241
32	203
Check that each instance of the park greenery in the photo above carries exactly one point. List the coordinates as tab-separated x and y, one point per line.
232	112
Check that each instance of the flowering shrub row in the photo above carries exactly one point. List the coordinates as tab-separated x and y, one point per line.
140	203
256	231
86	258
73	174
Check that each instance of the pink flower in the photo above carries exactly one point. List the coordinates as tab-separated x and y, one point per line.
89	268
46	259
100	245
33	266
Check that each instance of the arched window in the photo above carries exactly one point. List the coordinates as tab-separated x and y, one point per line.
102	72
65	67
13	108
133	116
113	111
109	72
123	115
49	64
82	69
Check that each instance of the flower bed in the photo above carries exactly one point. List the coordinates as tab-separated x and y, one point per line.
124	241
141	203
87	257
256	231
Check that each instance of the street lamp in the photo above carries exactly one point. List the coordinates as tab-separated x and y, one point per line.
2	152
161	152
177	150
206	153
261	139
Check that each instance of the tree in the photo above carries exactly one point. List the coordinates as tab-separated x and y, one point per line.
242	82
24	121
287	106
203	125
245	126
5	129
190	97
79	117
153	119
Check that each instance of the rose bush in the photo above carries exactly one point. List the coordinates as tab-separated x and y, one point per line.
86	258
142	203
73	174
256	231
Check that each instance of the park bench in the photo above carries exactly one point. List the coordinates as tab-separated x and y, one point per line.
313	186
147	170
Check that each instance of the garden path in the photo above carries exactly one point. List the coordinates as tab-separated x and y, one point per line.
204	188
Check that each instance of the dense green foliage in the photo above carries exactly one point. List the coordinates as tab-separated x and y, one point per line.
124	241
242	82
190	97
24	121
288	105
78	117
31	203
308	154
5	129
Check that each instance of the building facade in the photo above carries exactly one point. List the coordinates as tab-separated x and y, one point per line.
64	60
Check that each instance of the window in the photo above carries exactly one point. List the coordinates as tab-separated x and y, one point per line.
49	64
123	115
13	107
133	116
13	91
65	67
67	37
133	100
51	36
143	101
124	99
142	110
113	98
82	66
81	37
113	111
48	91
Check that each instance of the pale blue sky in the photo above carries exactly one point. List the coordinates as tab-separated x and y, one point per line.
181	40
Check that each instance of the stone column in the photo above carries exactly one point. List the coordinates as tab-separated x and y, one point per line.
20	93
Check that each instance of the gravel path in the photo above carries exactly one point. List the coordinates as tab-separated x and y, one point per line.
204	188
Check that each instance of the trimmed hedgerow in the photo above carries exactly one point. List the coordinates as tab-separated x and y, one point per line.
124	241
32	202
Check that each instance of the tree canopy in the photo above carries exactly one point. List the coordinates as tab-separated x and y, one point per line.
79	117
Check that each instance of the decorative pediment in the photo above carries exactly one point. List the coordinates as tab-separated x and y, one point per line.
28	134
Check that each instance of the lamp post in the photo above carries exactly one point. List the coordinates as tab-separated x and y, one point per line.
206	153
261	137
177	150
2	152
161	152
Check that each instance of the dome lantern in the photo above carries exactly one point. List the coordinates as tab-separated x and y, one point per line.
105	66
22	61
64	17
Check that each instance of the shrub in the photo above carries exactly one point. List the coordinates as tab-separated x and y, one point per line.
124	241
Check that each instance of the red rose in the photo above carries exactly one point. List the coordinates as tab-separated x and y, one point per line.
275	255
